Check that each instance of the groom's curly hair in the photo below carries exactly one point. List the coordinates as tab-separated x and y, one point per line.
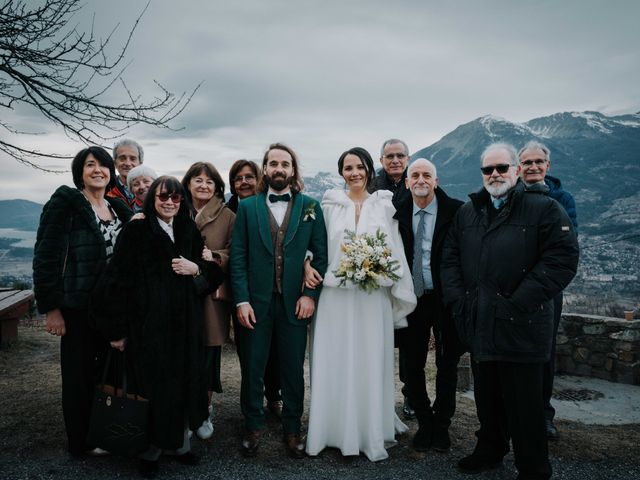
296	183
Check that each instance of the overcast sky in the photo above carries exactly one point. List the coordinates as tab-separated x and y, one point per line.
323	76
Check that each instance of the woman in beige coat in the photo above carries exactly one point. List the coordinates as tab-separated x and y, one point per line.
215	220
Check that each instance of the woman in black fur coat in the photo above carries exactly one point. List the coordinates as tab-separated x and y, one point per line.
149	303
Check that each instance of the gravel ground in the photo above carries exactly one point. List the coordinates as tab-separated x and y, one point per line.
32	437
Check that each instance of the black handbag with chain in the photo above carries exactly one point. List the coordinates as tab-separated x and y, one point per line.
119	419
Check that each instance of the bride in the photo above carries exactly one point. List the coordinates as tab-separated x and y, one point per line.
352	357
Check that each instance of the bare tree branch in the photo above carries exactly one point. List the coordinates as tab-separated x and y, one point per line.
64	72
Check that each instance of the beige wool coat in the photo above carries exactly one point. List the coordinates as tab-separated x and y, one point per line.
215	222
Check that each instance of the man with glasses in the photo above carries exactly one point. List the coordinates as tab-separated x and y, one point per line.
394	157
509	252
535	162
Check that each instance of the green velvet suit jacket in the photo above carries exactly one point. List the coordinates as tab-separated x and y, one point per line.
252	263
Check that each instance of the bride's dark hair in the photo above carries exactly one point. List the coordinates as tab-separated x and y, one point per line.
366	160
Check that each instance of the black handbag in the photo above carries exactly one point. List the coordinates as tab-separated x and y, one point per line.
119	419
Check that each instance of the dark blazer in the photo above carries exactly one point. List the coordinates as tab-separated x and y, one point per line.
447	208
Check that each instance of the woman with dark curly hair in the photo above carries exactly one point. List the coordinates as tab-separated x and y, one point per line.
75	240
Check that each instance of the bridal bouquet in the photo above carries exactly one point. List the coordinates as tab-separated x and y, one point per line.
366	261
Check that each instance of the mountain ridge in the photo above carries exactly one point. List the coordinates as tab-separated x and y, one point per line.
597	157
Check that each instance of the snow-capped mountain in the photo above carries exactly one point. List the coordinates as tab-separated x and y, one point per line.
597	157
320	183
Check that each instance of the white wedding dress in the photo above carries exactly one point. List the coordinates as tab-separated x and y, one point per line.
352	356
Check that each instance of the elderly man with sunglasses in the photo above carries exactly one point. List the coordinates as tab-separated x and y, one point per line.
510	250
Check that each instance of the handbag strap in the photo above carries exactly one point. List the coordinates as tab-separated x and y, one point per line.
124	375
107	363
106	369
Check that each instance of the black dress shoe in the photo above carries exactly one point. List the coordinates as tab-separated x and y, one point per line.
148	468
422	439
476	463
295	445
188	458
441	441
408	412
552	431
250	443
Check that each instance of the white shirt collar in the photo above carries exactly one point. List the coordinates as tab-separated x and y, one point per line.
167	227
432	208
271	191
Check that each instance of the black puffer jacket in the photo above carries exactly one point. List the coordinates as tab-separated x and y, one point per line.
70	252
501	276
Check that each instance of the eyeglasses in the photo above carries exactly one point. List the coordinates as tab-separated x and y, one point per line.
399	156
244	178
537	162
502	168
175	197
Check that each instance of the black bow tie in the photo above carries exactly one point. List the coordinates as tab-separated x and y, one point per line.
279	198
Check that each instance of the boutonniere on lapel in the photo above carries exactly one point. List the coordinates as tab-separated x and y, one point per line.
309	213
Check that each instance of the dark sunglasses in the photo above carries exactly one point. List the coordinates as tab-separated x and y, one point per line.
502	168
164	196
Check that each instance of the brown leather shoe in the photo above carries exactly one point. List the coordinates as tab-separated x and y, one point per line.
250	443
295	445
275	407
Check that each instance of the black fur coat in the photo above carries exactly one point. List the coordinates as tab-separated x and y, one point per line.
160	313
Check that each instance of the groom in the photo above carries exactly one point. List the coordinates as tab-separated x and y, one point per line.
272	233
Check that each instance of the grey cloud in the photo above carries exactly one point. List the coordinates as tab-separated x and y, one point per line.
325	76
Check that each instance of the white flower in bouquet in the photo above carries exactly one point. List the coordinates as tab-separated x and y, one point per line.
366	261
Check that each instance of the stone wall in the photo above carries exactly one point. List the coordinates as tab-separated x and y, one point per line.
601	347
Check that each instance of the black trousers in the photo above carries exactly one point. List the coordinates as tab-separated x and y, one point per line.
509	404
550	366
82	354
414	347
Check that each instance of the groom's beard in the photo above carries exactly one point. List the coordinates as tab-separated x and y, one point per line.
278	182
